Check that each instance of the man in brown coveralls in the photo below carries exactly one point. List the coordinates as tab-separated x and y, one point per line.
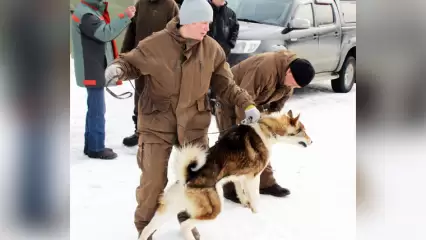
269	78
180	64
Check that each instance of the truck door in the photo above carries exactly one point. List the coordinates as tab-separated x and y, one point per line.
304	42
329	31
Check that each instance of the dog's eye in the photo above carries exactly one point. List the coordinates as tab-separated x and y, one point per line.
291	134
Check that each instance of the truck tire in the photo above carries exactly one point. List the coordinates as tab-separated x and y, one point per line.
346	79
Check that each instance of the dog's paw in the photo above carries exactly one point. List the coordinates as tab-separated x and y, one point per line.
249	206
253	207
244	201
245	204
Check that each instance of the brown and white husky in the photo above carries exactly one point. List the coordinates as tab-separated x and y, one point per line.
240	155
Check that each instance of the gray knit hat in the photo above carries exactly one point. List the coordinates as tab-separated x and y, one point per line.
193	11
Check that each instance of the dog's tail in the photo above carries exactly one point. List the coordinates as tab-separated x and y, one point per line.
189	159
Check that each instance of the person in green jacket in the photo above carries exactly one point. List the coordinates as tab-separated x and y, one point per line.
93	33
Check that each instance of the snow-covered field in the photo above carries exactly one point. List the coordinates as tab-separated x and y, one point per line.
321	178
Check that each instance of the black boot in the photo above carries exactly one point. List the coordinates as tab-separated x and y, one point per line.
132	140
182	217
275	190
106	154
86	152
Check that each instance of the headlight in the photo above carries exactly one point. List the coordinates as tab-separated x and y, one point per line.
246	46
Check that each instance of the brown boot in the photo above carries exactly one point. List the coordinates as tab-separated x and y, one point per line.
275	190
182	217
230	193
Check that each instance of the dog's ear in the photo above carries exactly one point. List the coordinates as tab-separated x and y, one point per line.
290	114
297	118
293	121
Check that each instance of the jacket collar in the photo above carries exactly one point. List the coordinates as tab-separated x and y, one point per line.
172	29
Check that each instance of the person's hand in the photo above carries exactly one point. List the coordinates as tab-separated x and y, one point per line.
252	115
112	74
130	11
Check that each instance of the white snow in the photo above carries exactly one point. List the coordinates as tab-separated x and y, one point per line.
321	178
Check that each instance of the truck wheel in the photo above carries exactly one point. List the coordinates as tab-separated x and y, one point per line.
346	76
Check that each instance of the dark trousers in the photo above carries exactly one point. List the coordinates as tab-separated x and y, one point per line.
94	135
139	87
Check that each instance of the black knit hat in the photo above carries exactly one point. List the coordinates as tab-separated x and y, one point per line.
303	71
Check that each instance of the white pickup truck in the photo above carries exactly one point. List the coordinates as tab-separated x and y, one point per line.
322	31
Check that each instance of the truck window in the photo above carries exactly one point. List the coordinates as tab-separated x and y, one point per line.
349	11
272	12
305	12
324	14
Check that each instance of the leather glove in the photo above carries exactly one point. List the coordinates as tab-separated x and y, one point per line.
112	74
252	115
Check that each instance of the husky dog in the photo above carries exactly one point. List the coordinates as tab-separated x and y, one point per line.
239	156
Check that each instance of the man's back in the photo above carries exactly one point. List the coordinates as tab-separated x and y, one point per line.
259	65
151	16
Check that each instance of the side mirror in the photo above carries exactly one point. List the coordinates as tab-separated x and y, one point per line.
300	23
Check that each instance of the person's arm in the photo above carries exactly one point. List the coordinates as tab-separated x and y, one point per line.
130	65
129	37
279	104
224	86
234	30
92	27
254	81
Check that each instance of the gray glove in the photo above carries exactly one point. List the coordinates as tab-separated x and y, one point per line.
252	115
112	72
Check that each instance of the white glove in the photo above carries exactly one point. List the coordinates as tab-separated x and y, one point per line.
111	75
252	115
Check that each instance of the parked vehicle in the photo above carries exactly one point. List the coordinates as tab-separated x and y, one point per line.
322	31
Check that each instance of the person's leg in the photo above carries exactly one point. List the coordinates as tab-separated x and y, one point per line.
132	140
95	125
153	156
267	177
96	119
86	130
268	184
86	136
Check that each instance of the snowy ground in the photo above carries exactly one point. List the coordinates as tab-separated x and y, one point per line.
321	177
